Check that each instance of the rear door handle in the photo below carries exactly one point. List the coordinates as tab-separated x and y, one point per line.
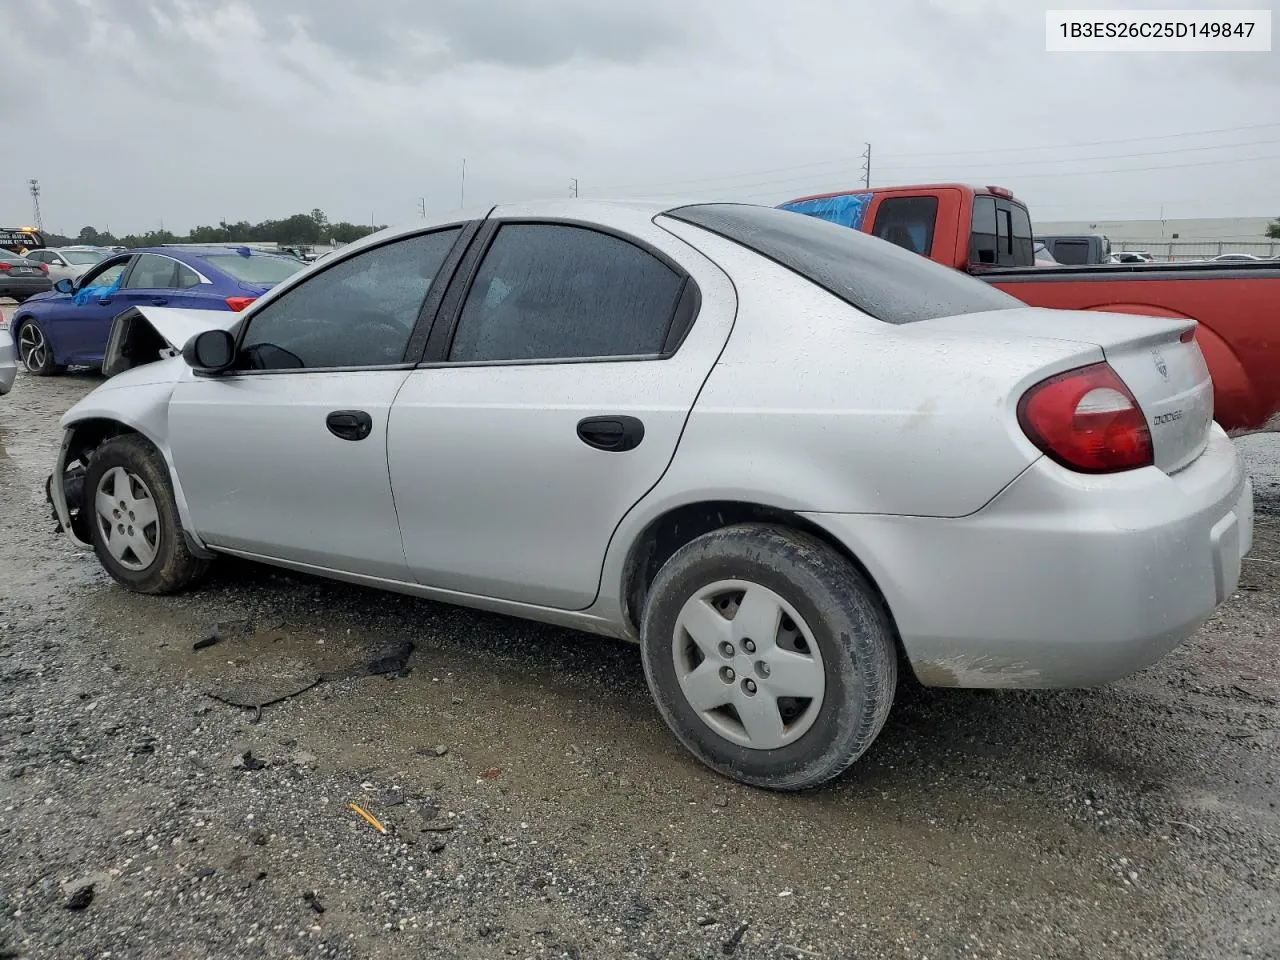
349	424
613	433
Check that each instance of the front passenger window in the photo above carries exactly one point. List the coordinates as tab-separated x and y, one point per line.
357	313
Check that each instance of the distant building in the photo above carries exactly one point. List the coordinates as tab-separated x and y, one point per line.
1176	239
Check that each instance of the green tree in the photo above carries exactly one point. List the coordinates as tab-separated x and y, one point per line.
1273	230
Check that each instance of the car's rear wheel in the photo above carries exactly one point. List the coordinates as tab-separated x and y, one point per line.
134	521
770	656
35	350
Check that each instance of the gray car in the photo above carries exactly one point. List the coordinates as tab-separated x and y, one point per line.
8	360
21	278
781	455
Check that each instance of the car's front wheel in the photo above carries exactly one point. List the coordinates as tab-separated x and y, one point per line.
134	521
35	350
770	656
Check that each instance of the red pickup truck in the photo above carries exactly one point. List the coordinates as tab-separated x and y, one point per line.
985	231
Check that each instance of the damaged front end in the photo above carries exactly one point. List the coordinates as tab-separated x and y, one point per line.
66	496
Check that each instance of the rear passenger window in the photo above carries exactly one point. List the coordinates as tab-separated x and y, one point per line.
982	239
186	277
908	222
558	292
151	272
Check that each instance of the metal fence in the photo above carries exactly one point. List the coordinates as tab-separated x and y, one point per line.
1174	250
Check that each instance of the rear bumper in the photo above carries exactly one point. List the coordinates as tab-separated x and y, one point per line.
1063	580
24	286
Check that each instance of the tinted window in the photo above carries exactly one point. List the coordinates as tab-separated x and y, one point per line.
186	277
150	272
1071	251
982	238
358	313
878	278
260	269
548	292
40	256
907	222
1023	243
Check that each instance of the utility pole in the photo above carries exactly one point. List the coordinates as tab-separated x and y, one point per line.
573	187
866	167
422	203
35	202
462	196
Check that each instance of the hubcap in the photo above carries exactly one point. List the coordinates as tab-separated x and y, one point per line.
747	662
128	519
32	347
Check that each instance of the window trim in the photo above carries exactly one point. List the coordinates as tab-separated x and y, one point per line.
467	230
683	315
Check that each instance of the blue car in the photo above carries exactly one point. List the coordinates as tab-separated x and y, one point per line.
69	325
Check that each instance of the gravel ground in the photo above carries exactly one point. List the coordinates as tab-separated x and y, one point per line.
535	806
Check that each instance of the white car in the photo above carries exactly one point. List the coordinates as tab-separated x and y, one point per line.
1238	257
777	453
67	263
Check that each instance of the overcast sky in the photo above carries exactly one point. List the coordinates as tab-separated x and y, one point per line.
137	112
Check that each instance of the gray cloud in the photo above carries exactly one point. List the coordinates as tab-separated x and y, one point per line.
191	110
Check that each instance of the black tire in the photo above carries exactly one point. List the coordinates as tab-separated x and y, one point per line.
848	621
173	566
47	367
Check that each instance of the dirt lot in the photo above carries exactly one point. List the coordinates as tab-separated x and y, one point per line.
536	806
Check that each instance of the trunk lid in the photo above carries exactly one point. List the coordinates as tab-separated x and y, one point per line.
1166	374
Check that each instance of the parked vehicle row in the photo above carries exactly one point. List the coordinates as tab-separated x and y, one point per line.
640	420
70	325
21	278
986	231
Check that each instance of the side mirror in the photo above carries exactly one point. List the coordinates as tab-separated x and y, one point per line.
210	352
63	285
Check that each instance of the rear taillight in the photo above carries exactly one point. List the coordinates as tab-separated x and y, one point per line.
44	268
239	303
1087	420
1187	335
5	267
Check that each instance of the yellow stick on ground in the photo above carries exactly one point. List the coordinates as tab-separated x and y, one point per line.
369	817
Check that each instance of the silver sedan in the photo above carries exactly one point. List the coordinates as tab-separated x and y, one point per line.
782	456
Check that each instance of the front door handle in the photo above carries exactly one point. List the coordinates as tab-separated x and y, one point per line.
613	433
104	300
159	301
349	424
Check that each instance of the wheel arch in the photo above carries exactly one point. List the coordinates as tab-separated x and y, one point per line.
84	434
666	533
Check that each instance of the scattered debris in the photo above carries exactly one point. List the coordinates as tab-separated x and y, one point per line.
313	901
81	898
258	838
436	846
204	873
437	827
707	921
730	946
208	640
247	761
798	951
439	750
368	817
491	774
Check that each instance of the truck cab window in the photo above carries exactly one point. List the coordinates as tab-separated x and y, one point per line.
907	222
982	238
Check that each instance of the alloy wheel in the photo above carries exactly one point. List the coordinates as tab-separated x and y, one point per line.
32	347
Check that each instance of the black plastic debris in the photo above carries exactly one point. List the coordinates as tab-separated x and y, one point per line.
80	898
313	901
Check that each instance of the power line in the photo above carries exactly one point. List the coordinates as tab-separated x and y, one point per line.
1121	156
993	151
810	184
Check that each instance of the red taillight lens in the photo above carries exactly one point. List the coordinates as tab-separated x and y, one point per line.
239	303
5	267
1087	420
44	268
1187	335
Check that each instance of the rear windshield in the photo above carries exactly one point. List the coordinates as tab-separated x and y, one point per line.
258	268
879	278
82	256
